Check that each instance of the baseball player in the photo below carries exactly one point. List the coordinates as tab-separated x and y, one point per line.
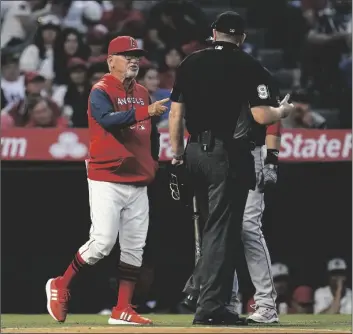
123	155
255	248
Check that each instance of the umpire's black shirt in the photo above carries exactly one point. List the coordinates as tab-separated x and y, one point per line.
215	84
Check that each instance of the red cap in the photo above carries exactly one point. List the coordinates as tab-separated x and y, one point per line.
124	44
303	294
33	76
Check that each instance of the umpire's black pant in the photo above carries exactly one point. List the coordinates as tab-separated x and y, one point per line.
221	179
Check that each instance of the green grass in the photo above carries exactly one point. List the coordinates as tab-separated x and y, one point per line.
338	322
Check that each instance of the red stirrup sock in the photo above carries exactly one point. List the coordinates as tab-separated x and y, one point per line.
72	270
128	276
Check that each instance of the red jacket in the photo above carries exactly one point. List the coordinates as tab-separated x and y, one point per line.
121	135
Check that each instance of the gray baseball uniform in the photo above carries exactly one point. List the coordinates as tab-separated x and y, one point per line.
255	249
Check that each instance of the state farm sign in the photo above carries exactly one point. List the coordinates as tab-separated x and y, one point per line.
13	147
316	145
297	145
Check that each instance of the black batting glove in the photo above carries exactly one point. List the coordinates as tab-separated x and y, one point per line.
268	177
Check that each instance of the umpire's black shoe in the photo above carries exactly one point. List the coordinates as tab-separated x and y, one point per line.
190	303
225	318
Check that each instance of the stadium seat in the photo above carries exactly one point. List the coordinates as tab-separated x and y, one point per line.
255	37
271	58
213	12
285	78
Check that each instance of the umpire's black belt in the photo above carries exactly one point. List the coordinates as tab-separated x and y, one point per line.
241	143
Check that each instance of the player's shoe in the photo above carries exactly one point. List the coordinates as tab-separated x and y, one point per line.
127	316
263	315
57	300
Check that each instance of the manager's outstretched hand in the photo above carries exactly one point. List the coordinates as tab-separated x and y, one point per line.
157	108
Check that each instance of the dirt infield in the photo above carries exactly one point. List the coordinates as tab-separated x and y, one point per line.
141	330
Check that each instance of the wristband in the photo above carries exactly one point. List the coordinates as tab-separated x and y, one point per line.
272	157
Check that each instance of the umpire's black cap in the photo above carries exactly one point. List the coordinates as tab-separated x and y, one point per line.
230	23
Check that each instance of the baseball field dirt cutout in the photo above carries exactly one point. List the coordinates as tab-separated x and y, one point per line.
172	323
120	329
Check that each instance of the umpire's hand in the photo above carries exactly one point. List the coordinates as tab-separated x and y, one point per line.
286	107
177	162
157	108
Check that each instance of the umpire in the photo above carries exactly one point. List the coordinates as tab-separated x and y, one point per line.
213	90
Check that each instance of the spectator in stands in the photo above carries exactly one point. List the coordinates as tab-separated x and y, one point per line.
346	73
302	300
193	46
41	115
303	117
172	58
6	122
280	274
95	71
19	20
34	85
60	8
34	55
178	21
96	40
346	70
69	45
325	44
12	82
83	15
335	298
148	77
76	95
120	17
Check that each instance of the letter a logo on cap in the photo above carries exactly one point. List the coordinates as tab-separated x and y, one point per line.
133	43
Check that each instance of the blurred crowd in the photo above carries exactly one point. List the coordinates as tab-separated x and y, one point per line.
333	298
54	51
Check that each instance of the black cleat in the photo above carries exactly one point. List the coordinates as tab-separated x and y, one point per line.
225	318
190	303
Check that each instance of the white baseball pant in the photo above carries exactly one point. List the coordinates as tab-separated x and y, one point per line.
116	209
